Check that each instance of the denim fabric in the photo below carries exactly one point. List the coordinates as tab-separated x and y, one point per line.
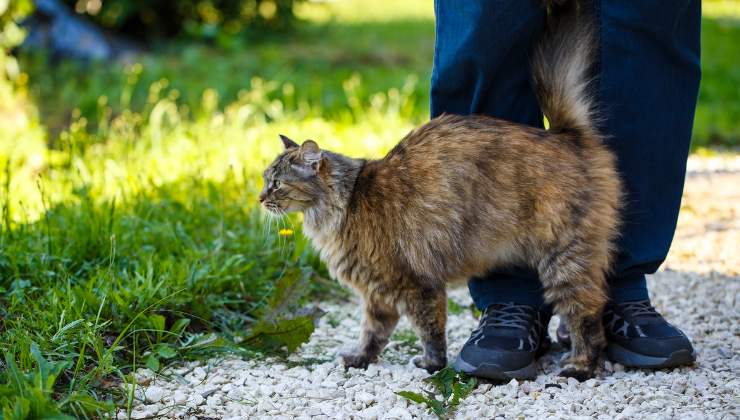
647	79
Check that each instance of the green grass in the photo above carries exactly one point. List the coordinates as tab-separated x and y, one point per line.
129	229
717	121
312	65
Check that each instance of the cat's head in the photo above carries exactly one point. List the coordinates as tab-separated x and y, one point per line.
294	181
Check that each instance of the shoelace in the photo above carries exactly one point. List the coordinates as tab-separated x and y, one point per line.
512	316
507	315
637	309
631	314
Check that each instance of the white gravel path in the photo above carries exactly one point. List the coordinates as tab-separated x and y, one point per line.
698	289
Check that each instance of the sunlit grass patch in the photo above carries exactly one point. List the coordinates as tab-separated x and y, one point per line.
355	11
718	109
136	152
130	244
130	233
721	9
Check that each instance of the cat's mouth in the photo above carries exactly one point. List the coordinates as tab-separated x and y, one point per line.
273	207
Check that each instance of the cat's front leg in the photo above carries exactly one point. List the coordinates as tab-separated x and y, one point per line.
379	322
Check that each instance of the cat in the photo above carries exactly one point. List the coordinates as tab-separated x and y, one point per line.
462	194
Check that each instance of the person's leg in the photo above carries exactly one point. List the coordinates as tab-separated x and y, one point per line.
481	66
481	58
648	80
648	83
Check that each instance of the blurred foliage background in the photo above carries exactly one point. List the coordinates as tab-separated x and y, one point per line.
129	234
11	36
212	19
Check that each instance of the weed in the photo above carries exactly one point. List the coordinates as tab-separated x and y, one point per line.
406	338
451	386
454	308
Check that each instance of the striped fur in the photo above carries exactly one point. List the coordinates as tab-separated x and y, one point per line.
461	195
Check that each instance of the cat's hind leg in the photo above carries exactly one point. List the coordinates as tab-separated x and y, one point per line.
575	285
426	308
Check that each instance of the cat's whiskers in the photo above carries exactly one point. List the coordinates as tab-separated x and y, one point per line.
283	232
289	226
276	217
265	224
279	228
268	224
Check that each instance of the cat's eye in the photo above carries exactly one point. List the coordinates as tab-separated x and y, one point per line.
276	184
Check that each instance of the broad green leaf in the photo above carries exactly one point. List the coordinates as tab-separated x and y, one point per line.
412	396
166	352
21	409
438	407
460	390
442	381
157	322
287	293
47	371
179	326
16	379
286	334
152	362
453	387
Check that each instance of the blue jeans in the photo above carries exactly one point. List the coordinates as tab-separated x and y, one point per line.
647	80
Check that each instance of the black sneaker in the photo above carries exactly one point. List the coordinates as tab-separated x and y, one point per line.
639	336
506	343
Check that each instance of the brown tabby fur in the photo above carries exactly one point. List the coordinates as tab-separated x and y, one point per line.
460	195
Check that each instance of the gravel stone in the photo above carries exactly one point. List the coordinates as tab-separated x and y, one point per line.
196	400
179	397
365	397
154	394
697	289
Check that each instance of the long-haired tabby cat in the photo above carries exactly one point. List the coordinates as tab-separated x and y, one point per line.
462	194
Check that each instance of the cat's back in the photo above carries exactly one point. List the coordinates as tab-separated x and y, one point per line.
458	179
426	195
453	150
457	139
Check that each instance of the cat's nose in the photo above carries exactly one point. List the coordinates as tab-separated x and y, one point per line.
263	196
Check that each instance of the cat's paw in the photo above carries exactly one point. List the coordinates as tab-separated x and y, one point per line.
429	365
355	360
578	373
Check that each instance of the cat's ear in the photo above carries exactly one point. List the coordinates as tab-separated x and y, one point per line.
311	154
288	143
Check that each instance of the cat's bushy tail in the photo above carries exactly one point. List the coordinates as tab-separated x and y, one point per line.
560	67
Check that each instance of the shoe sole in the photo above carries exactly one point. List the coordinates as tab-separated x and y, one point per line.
495	372
629	358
